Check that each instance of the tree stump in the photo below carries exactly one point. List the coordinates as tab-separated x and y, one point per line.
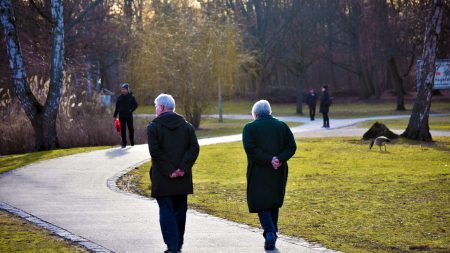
379	129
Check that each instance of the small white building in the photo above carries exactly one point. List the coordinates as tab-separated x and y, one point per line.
105	97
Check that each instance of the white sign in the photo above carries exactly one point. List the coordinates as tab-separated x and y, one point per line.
441	76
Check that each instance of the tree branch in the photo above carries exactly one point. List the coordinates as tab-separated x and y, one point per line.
41	13
16	63
82	15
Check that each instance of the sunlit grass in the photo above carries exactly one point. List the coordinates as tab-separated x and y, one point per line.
17	235
337	110
339	193
435	123
11	162
212	127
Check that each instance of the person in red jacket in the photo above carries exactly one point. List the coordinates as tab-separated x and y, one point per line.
125	106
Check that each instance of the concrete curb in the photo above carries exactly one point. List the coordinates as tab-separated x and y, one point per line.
89	245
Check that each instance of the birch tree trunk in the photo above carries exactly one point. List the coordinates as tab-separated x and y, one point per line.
43	118
54	94
418	128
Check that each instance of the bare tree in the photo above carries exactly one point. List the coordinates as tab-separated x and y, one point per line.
418	128
194	57
42	117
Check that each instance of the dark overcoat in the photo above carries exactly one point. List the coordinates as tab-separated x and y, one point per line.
263	139
173	144
325	102
311	99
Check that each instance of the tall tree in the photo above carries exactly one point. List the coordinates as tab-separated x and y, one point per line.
188	54
42	117
418	128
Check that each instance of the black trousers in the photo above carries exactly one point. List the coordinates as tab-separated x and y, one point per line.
269	220
312	111
326	120
127	121
172	219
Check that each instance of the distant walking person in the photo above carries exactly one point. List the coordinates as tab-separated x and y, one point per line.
174	149
269	144
311	101
125	106
325	102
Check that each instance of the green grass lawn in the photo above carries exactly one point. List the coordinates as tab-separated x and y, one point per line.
436	123
337	110
212	128
18	235
11	162
368	201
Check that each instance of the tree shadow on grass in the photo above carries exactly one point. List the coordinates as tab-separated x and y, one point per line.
438	145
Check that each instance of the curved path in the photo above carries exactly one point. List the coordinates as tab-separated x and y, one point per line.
76	195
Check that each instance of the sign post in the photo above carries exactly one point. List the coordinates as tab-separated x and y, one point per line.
441	76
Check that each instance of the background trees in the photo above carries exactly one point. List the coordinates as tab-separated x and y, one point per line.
207	49
189	54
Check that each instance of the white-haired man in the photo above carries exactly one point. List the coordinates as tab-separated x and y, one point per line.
174	149
269	144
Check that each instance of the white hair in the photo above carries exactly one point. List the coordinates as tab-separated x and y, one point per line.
261	108
165	100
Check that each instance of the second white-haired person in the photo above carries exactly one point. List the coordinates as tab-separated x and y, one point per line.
174	149
269	144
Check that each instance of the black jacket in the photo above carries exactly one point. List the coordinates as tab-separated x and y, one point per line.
125	105
325	102
311	99
172	144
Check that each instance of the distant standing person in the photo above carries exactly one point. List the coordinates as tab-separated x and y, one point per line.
311	101
269	144
125	106
325	102
174	149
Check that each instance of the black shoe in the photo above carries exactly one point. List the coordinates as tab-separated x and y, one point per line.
171	251
124	146
271	239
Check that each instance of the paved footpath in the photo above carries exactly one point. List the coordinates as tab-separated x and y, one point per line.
76	197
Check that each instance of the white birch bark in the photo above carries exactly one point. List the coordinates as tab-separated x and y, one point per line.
418	127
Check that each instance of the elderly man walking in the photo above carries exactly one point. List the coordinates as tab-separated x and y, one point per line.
174	149
269	144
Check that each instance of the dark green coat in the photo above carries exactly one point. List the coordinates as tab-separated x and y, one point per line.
263	139
172	144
